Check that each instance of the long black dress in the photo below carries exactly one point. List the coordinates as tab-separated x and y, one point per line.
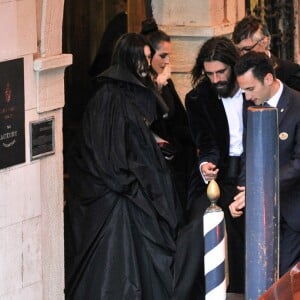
121	204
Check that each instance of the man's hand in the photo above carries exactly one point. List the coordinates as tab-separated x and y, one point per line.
236	207
209	171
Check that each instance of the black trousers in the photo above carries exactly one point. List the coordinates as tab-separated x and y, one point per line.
289	247
235	228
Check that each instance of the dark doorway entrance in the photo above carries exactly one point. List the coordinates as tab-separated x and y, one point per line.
84	23
83	26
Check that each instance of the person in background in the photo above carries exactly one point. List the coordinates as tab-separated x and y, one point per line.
172	130
252	34
121	204
216	108
256	76
116	27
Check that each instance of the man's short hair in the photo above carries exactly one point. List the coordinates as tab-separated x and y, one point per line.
258	62
247	27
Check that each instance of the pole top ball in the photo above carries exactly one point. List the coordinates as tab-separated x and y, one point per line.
213	191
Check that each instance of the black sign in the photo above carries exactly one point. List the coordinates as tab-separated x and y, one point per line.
42	138
12	136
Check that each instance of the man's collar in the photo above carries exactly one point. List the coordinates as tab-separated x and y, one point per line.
273	101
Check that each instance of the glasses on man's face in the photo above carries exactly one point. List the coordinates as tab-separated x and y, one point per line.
249	48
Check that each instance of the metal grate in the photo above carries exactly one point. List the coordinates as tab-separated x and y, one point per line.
279	16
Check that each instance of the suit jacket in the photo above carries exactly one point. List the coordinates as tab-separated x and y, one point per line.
209	125
289	156
288	72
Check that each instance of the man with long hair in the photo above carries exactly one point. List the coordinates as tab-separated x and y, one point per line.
215	108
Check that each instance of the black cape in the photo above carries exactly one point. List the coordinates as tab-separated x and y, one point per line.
121	204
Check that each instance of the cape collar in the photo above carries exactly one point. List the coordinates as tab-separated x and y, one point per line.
119	73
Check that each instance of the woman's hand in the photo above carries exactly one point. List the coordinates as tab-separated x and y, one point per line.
162	78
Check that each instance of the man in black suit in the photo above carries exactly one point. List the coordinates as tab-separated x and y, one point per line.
251	34
215	109
256	76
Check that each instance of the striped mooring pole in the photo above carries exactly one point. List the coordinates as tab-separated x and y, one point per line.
214	246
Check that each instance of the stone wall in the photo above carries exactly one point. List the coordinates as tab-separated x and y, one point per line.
190	24
31	193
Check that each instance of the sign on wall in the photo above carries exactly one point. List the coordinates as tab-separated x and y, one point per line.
42	138
12	135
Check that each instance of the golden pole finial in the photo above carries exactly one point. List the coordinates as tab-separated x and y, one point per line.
213	194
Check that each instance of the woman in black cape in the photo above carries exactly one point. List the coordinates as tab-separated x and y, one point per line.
121	204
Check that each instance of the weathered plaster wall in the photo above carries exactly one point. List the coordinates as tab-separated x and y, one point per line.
31	193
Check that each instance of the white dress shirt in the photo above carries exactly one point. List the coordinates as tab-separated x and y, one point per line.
234	112
273	101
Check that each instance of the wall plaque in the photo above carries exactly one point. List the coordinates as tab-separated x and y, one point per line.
42	138
12	115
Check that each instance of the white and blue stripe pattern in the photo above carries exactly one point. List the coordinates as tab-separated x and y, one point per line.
214	257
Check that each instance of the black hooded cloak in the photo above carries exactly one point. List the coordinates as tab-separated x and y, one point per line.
121	204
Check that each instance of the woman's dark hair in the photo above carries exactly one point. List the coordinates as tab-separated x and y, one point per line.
153	34
129	53
216	48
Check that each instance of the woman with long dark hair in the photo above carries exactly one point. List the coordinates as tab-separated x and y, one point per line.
121	203
172	129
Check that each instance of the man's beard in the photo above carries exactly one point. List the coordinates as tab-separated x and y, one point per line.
225	89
